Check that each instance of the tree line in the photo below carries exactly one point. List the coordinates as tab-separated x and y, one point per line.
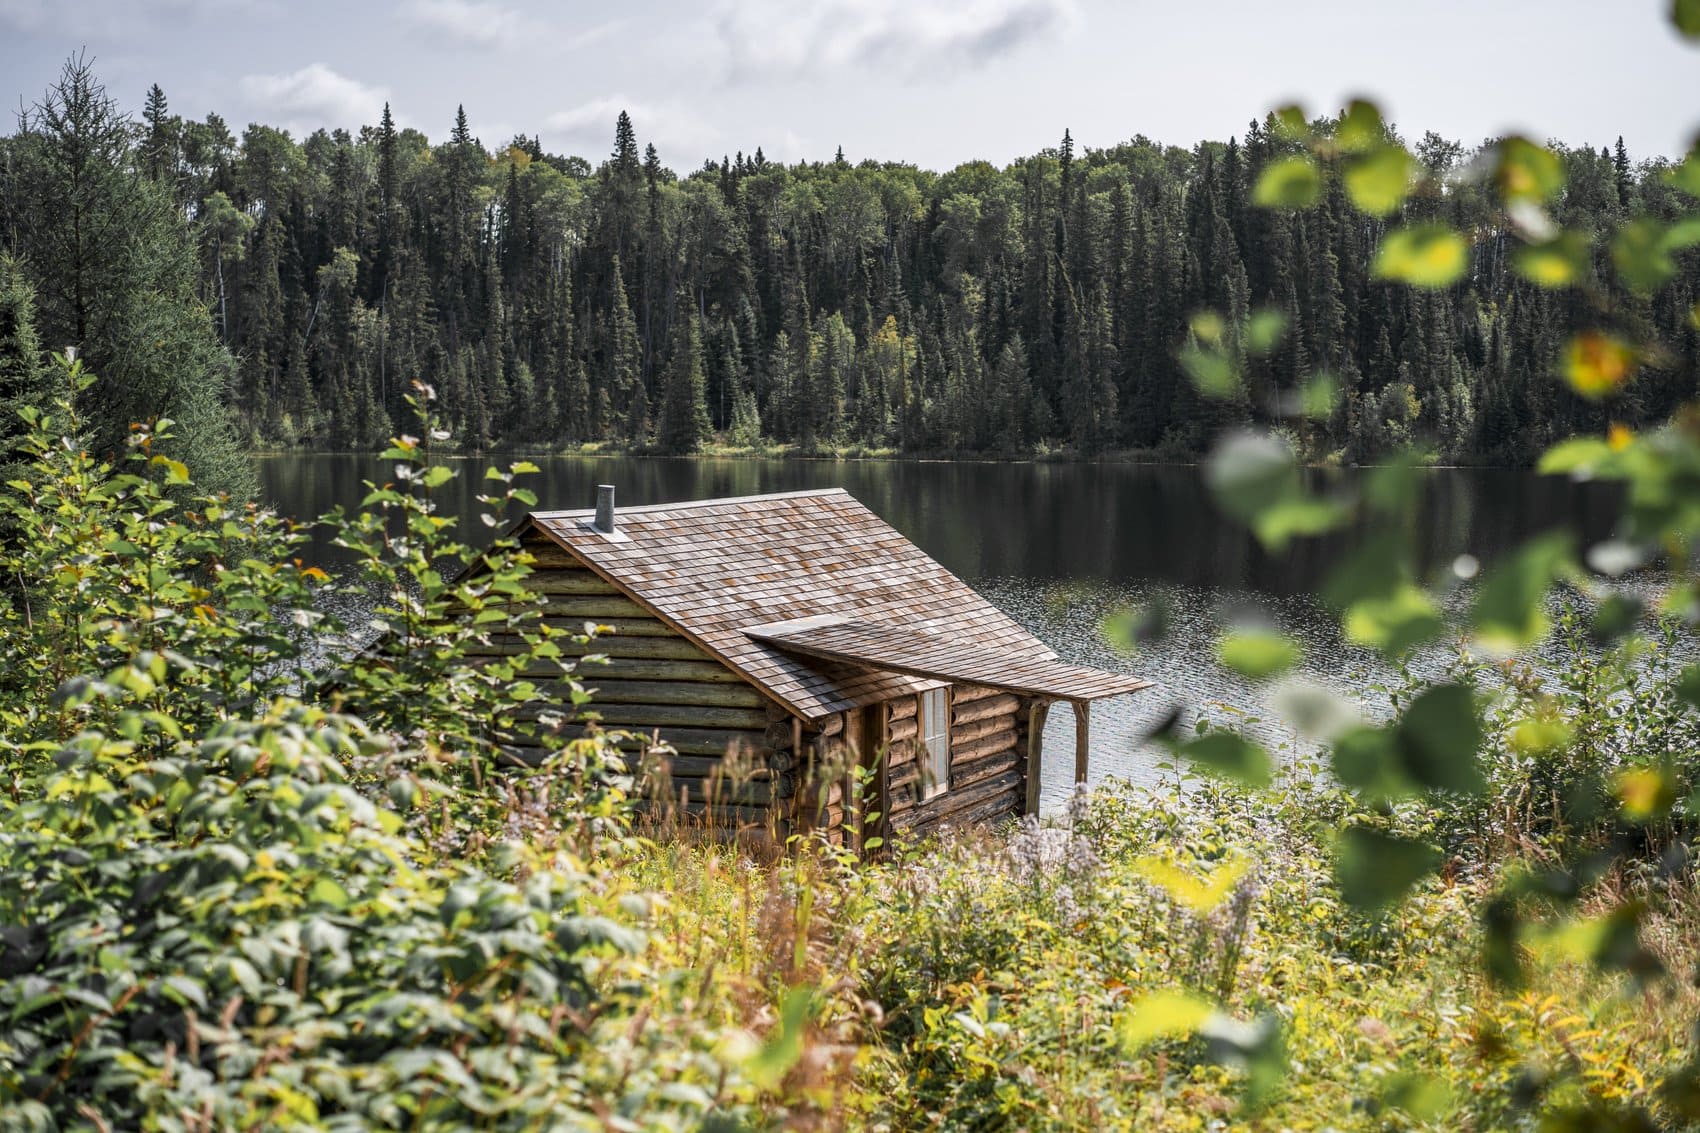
1047	305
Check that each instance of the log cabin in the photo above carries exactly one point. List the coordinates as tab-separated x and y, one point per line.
850	674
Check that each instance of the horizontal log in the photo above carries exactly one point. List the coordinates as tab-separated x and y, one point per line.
649	648
642	669
604	691
568	582
900	730
971	694
984	746
830	726
988	708
612	627
593	607
719	791
547	554
729	814
999	806
902	708
980	729
685	741
983	769
709	746
690	766
663	715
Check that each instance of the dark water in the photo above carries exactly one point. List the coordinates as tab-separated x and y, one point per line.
1058	546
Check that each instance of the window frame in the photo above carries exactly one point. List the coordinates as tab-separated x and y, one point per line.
933	734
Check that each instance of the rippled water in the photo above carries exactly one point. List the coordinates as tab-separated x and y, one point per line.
1058	546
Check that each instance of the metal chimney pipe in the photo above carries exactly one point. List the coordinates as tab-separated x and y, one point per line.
605	508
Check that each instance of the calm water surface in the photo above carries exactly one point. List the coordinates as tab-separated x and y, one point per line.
1057	547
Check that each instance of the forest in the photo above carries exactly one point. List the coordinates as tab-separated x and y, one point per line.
1050	306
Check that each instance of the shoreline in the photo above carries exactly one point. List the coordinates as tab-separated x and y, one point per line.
781	456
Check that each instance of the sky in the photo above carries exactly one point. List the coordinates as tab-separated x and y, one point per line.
932	82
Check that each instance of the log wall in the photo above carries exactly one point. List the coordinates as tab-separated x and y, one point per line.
988	762
733	771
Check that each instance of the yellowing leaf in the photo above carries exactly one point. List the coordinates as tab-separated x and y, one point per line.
1423	255
1162	1015
1597	364
1379	181
1199	895
1558	262
1527	172
1645	792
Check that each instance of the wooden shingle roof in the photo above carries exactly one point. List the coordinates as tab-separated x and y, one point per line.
940	656
716	568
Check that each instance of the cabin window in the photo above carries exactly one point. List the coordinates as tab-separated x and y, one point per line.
935	740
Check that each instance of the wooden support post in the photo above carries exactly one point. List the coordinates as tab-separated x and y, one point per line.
1036	752
1082	738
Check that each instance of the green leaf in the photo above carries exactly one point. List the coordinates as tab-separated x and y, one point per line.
1427	255
1559	262
1264	331
1685	14
1642	256
1161	1015
1288	183
1394	623
1259	654
1687	686
1365	760
1379	181
1297	516
438	475
1360	127
1426	1097
1510	609
1438	738
1230	754
1212	372
1579	454
1686	177
1527	172
1375	870
783	1047
1251	473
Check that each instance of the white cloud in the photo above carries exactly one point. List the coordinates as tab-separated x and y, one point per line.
763	38
312	97
470	23
116	17
681	137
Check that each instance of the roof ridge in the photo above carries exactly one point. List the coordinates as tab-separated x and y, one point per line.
676	505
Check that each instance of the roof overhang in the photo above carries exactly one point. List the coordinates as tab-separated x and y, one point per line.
933	656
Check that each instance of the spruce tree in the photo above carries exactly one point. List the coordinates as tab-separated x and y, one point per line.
684	411
24	380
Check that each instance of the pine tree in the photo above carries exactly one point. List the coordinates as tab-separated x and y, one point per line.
24	381
684	411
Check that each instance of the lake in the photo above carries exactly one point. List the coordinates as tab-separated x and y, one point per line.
1058	547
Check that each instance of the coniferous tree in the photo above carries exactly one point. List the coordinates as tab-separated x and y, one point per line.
684	411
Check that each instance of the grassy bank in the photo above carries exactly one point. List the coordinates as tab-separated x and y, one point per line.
1164	961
